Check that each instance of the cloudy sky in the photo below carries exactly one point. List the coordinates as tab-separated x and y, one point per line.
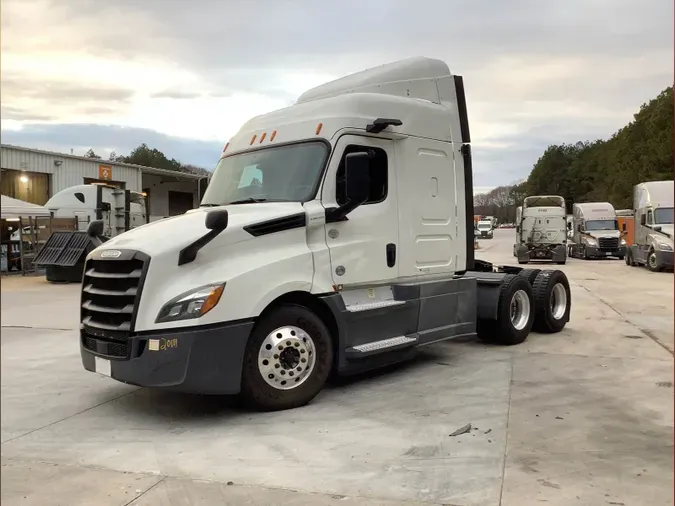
183	76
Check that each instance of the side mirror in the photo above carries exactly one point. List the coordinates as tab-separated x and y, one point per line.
623	227
357	178
95	228
216	220
643	219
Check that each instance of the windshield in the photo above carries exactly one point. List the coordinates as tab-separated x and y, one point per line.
484	226
288	173
602	225
663	216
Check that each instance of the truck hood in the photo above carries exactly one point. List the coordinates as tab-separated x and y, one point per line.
601	234
173	234
666	230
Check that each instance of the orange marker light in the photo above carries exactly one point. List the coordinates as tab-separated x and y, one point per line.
212	300
274	134
252	140
318	128
262	137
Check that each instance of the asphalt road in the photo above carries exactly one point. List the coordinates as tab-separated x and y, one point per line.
584	417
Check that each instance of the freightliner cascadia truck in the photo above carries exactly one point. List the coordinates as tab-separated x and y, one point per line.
335	236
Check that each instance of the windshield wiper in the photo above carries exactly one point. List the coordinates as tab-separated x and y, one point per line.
209	205
249	200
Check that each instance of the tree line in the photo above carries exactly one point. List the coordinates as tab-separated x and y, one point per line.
600	170
150	157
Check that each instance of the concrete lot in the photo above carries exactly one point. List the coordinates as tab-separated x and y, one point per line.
584	417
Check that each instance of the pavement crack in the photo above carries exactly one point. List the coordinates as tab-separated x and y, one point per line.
506	436
146	491
70	416
646	332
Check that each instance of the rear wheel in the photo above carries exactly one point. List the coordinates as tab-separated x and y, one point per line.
529	274
552	301
287	360
515	313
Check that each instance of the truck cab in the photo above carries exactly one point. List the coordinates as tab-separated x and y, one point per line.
653	226
335	235
485	229
541	229
596	231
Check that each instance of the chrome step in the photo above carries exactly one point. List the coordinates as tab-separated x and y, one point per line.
369	306
385	343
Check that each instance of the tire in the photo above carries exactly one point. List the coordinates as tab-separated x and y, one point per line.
530	274
585	254
523	262
552	301
301	334
507	330
562	262
652	262
627	258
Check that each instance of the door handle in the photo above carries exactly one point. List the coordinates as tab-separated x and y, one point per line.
391	255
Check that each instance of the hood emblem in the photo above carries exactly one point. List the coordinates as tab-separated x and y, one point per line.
111	253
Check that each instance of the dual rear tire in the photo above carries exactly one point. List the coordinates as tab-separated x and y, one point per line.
532	300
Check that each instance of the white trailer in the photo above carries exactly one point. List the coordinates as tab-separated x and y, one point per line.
541	229
596	231
335	235
653	242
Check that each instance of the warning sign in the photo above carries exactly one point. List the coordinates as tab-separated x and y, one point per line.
105	172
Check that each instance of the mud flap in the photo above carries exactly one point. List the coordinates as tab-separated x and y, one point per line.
559	253
522	253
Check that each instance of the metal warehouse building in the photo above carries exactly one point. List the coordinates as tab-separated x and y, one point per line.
35	176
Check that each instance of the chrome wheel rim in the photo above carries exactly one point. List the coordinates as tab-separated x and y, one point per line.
652	261
558	301
519	310
286	358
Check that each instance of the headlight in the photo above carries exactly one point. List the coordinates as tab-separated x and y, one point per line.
591	242
192	304
663	246
623	242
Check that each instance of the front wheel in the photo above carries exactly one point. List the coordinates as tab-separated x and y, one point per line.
652	261
287	361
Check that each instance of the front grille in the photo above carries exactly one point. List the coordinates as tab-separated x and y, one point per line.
608	243
110	294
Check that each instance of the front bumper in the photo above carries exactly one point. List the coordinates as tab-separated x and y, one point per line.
665	258
203	360
595	251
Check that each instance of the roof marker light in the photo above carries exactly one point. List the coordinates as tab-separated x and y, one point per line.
318	128
274	134
262	137
252	140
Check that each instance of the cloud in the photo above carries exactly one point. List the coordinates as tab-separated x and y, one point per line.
536	73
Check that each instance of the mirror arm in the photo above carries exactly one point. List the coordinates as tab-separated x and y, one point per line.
336	214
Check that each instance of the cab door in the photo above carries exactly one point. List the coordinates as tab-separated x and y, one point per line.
364	248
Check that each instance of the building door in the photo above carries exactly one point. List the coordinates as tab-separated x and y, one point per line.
179	202
30	187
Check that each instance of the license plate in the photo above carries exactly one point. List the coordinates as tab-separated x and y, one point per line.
102	366
608	254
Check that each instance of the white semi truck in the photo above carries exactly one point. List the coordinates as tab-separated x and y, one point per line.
653	242
335	235
485	229
596	231
541	229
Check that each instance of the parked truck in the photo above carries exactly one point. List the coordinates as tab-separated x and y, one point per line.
115	211
485	229
541	229
596	231
652	244
351	249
